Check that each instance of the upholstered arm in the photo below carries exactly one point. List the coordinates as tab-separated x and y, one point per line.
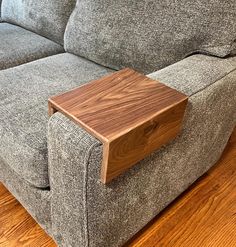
86	212
70	149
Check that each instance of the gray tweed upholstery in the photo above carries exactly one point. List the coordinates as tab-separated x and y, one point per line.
19	46
35	200
185	75
87	213
0	9
47	18
23	109
149	35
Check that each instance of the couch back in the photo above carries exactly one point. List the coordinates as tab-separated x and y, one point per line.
149	35
45	17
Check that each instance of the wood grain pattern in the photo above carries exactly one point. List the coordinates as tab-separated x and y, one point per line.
130	113
205	216
127	150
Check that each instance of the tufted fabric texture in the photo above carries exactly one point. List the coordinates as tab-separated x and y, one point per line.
87	213
35	200
47	18
23	109
149	35
19	46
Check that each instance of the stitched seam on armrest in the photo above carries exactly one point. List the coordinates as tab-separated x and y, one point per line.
86	190
218	79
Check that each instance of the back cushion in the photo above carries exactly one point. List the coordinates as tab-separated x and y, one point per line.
149	35
45	17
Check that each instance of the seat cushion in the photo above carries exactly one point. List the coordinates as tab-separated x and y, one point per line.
35	200
23	109
149	35
47	18
18	46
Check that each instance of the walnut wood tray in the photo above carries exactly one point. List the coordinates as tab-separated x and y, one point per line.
131	114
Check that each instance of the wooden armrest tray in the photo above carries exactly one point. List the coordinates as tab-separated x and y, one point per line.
131	114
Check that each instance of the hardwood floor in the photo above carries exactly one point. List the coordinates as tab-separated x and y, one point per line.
204	216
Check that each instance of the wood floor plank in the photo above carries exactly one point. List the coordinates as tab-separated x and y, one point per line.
204	216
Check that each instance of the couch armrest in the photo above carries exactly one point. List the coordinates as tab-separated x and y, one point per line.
69	150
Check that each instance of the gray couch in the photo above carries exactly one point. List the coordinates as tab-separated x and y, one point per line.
51	165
